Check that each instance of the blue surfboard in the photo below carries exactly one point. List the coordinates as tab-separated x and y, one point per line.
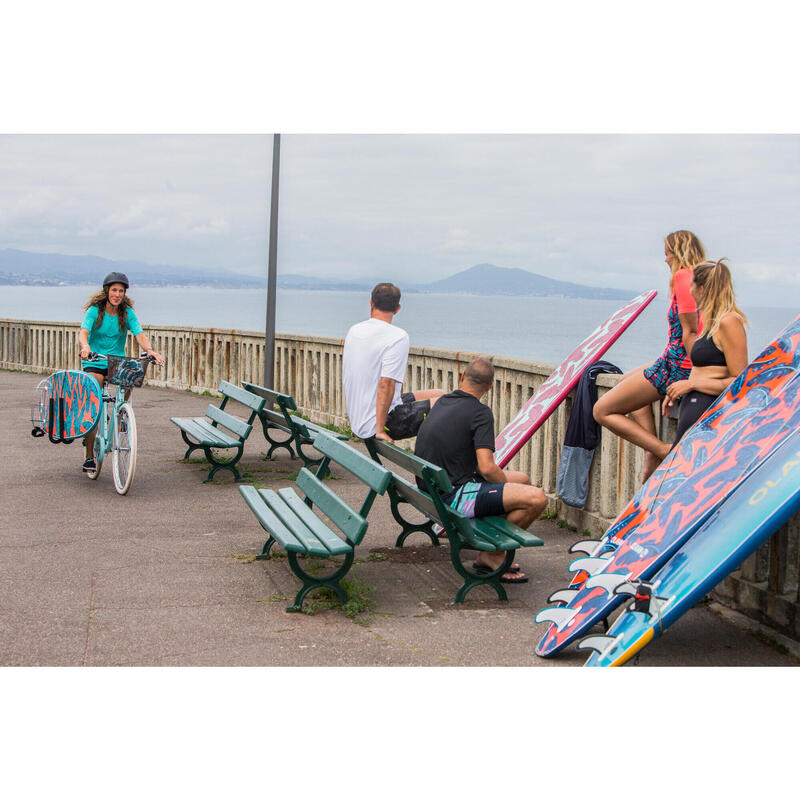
761	504
747	422
70	405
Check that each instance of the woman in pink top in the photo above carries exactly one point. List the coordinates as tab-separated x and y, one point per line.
640	388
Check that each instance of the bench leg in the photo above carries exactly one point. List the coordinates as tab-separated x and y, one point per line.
308	461
265	550
274	444
218	465
311	582
473	579
192	446
407	526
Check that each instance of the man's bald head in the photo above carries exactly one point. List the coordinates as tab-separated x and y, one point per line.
479	373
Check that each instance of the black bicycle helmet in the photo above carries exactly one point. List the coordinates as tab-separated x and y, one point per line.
116	277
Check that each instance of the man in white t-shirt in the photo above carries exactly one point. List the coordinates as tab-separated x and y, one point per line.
373	368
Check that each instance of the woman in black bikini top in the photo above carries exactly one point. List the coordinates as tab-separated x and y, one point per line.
719	353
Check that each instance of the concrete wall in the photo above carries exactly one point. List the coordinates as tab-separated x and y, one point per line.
309	368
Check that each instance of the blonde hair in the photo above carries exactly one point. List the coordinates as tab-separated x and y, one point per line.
718	298
100	299
687	249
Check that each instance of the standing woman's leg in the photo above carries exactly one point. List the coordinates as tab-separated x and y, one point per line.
633	395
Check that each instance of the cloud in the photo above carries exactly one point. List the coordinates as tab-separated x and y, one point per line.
587	208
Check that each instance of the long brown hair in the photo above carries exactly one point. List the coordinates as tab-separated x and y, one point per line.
687	249
100	299
718	297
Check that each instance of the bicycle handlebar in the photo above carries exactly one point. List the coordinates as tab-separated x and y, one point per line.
97	356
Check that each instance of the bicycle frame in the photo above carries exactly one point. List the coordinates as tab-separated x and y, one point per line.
107	424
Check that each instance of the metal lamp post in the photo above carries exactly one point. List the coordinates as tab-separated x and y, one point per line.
272	270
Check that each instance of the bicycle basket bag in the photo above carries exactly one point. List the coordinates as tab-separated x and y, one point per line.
126	372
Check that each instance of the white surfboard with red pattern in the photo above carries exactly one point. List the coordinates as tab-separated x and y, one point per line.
553	391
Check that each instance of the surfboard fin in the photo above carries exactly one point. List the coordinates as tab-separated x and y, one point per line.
562	596
598	642
590	564
606	580
585	546
644	600
559	616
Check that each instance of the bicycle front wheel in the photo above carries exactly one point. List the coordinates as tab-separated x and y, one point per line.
124	448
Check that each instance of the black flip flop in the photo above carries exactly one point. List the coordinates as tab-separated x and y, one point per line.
484	570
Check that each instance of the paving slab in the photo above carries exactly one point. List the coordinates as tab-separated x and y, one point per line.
166	575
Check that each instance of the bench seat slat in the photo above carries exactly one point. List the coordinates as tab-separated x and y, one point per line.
513	531
332	542
492	535
311	543
269	521
199	428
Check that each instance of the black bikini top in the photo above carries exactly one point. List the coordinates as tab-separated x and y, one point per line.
706	354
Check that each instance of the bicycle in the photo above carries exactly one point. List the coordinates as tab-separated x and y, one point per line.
116	428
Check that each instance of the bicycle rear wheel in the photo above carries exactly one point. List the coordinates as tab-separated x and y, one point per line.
124	448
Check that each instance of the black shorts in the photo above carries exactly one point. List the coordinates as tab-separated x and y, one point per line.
99	370
693	406
403	421
475	499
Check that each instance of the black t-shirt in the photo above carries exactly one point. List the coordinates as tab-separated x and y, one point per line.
457	425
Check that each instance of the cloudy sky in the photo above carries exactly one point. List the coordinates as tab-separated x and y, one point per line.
587	208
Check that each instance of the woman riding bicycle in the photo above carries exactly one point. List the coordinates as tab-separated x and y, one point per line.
109	317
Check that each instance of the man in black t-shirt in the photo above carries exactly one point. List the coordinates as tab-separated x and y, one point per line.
458	435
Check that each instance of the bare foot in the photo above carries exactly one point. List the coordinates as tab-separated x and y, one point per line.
651	463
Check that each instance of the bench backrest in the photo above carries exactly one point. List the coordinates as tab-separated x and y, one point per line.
436	480
282	418
219	416
376	477
271	397
408	461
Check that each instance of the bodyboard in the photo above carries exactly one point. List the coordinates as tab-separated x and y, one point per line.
761	504
757	412
80	396
564	379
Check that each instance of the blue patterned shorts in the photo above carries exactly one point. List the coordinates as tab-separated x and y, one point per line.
478	499
664	372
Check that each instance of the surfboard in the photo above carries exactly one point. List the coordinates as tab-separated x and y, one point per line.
71	404
746	422
763	502
564	379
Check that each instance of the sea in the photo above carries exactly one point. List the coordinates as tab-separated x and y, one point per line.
533	328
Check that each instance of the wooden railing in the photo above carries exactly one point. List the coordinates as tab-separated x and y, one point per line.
310	369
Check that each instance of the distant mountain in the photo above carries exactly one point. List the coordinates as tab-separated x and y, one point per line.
487	279
482	279
18	267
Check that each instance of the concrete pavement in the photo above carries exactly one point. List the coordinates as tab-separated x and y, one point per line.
165	575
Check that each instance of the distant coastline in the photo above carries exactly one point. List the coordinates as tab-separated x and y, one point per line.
21	268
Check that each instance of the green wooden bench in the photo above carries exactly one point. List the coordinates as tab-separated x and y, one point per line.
290	520
277	415
489	534
208	434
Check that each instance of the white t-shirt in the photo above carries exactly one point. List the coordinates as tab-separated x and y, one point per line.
373	349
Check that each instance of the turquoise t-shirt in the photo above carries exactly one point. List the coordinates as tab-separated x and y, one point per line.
108	338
